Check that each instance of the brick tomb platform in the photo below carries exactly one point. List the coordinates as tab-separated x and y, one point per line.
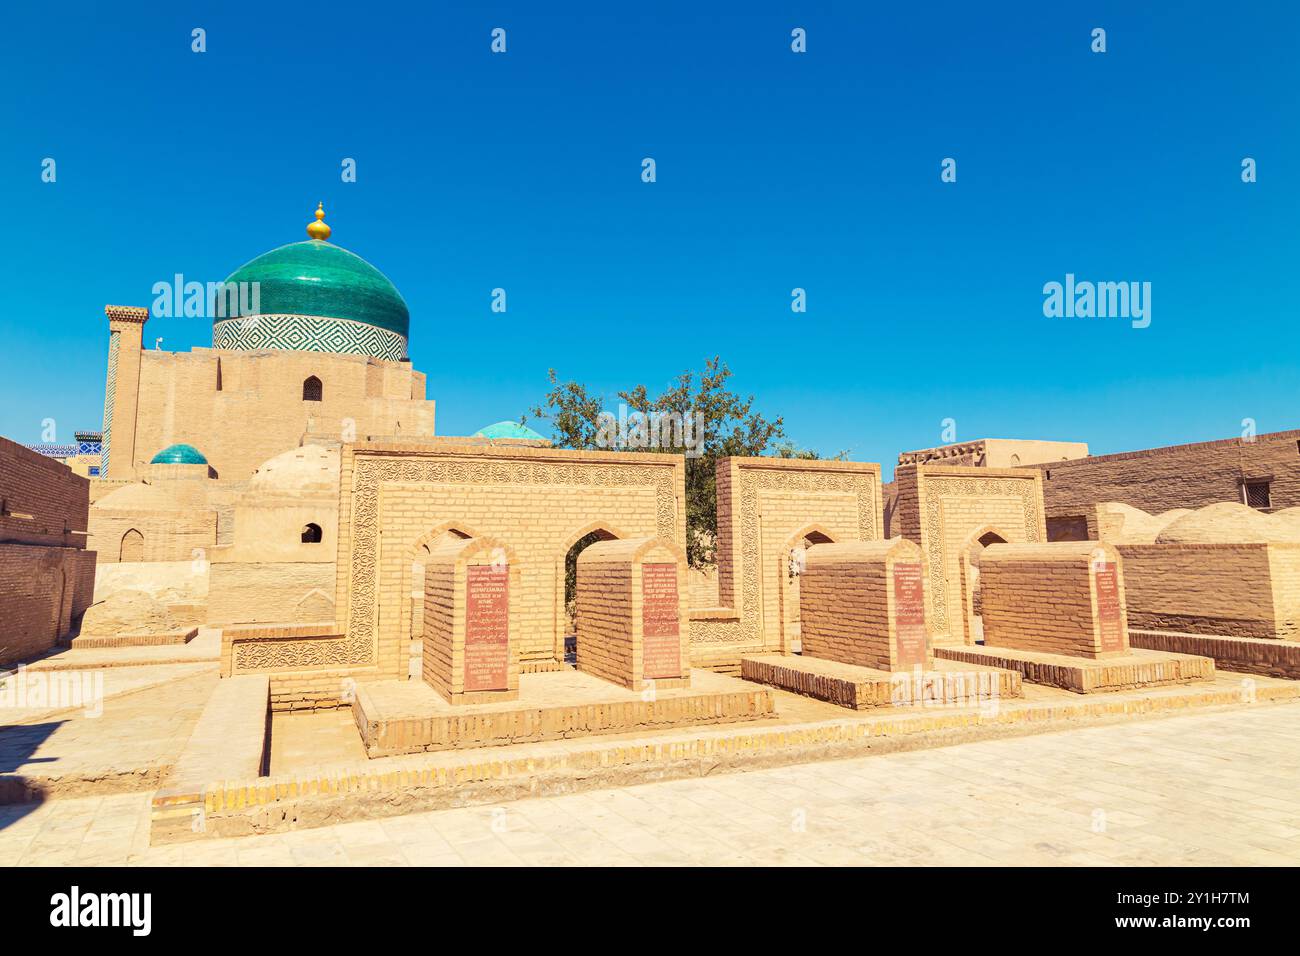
864	635
1056	613
404	717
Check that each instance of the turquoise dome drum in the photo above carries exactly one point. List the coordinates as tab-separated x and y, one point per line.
316	296
508	430
180	454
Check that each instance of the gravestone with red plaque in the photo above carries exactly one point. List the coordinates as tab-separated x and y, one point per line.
863	603
631	621
660	624
487	627
910	635
1111	631
469	647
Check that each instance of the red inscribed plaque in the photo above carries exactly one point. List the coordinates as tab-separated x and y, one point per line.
487	627
1108	617
909	614
660	629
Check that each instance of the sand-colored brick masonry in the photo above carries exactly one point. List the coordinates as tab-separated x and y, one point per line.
47	577
1235	590
1086	675
1045	598
611	606
241	408
538	501
851	686
848	602
271	592
447	619
1267	657
42	591
767	507
946	510
604	618
1176	476
41	501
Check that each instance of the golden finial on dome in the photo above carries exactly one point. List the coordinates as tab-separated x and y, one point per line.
318	229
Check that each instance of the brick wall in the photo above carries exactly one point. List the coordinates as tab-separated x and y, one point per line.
1235	590
398	496
1177	476
270	592
44	502
766	509
946	510
167	535
47	577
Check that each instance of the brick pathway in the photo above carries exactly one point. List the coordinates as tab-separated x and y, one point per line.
1217	788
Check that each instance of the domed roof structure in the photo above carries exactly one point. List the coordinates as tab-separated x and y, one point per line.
179	454
508	430
308	469
315	296
1229	522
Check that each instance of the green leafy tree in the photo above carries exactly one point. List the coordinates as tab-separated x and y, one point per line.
731	426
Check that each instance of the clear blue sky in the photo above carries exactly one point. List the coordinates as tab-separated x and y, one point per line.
775	170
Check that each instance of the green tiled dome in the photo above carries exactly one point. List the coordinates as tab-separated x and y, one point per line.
179	455
508	430
317	278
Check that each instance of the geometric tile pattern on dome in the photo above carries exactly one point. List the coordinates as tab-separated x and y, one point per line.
305	333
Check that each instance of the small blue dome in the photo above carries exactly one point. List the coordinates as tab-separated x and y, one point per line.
508	430
179	455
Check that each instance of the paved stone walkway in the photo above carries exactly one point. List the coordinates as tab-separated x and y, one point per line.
1217	788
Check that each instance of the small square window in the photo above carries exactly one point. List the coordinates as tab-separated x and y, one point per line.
94	471
1255	494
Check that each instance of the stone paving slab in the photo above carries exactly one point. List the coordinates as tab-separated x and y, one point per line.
130	745
1201	788
387	786
230	740
94	686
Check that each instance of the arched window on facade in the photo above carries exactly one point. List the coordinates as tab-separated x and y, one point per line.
132	546
311	389
311	534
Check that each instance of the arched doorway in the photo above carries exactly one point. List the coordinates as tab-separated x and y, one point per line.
972	604
569	584
792	564
132	546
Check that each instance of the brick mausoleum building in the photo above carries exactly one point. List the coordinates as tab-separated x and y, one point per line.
1263	472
